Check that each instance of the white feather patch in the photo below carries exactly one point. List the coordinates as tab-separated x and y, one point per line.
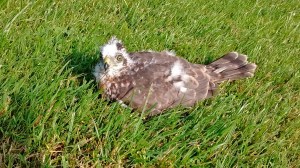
180	85
177	70
183	89
171	53
122	103
219	70
109	49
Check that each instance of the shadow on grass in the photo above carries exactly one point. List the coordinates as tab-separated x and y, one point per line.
82	65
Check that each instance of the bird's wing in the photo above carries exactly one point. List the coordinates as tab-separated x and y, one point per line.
149	89
156	86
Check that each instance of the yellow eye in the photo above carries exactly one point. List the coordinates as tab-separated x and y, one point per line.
119	58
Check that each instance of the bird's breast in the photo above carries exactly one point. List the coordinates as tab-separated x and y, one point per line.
116	88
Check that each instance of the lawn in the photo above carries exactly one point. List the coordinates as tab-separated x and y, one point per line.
51	113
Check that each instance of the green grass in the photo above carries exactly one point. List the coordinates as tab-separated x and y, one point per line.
51	113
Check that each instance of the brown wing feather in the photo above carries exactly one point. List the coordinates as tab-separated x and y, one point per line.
231	66
154	67
201	79
163	94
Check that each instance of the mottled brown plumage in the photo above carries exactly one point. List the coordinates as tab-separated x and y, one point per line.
156	81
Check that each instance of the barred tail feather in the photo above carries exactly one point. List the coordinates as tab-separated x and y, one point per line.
231	66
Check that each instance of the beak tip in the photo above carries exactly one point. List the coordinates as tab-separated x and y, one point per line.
105	66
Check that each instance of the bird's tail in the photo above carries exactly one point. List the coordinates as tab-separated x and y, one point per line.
231	66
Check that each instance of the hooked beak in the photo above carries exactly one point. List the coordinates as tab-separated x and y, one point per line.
106	60
106	63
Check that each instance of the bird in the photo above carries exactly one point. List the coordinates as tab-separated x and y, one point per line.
152	82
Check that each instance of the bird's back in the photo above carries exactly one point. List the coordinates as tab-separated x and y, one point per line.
162	80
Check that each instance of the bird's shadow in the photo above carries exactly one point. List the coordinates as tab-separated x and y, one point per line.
82	65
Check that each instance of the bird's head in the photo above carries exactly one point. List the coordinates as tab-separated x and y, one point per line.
114	56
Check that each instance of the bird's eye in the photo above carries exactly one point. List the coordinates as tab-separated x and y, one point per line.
119	58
